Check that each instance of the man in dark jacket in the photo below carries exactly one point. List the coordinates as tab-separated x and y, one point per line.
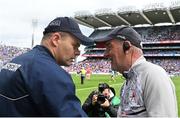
35	84
102	102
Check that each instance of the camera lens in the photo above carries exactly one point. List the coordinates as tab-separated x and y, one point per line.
101	98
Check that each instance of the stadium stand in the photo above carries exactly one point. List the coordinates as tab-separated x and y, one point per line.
161	43
9	52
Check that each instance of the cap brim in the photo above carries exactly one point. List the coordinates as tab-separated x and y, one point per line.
84	39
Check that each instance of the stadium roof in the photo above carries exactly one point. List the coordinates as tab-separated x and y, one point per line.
151	15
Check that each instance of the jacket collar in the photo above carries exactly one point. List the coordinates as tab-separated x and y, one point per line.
41	47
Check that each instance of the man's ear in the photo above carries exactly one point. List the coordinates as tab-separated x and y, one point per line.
126	46
55	39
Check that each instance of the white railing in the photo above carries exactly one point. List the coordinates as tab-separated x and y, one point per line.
154	6
175	4
104	11
82	13
127	9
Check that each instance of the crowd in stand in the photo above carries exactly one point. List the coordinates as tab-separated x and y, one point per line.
96	65
158	33
101	52
162	52
95	52
170	65
102	65
9	52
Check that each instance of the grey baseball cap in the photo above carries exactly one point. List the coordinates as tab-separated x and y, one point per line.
123	33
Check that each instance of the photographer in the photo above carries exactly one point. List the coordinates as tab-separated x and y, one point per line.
102	102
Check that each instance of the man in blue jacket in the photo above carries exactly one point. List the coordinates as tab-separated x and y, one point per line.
35	84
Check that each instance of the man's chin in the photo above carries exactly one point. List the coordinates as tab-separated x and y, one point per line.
70	63
66	64
113	67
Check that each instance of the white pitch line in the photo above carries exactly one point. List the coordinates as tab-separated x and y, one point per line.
95	87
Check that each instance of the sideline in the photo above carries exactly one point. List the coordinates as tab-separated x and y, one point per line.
96	87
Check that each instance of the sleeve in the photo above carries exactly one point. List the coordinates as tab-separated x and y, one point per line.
87	106
53	92
158	94
113	109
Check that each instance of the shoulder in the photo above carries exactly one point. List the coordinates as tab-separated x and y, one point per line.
152	70
153	77
41	65
115	100
151	74
49	68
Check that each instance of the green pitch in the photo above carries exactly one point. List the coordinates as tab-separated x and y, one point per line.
84	90
176	81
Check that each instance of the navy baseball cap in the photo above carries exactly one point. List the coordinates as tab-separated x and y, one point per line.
123	33
66	24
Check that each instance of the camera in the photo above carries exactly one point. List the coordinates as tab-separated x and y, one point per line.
101	98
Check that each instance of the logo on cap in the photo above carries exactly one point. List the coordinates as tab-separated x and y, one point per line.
120	36
55	23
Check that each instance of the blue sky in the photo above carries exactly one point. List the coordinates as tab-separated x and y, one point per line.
16	15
